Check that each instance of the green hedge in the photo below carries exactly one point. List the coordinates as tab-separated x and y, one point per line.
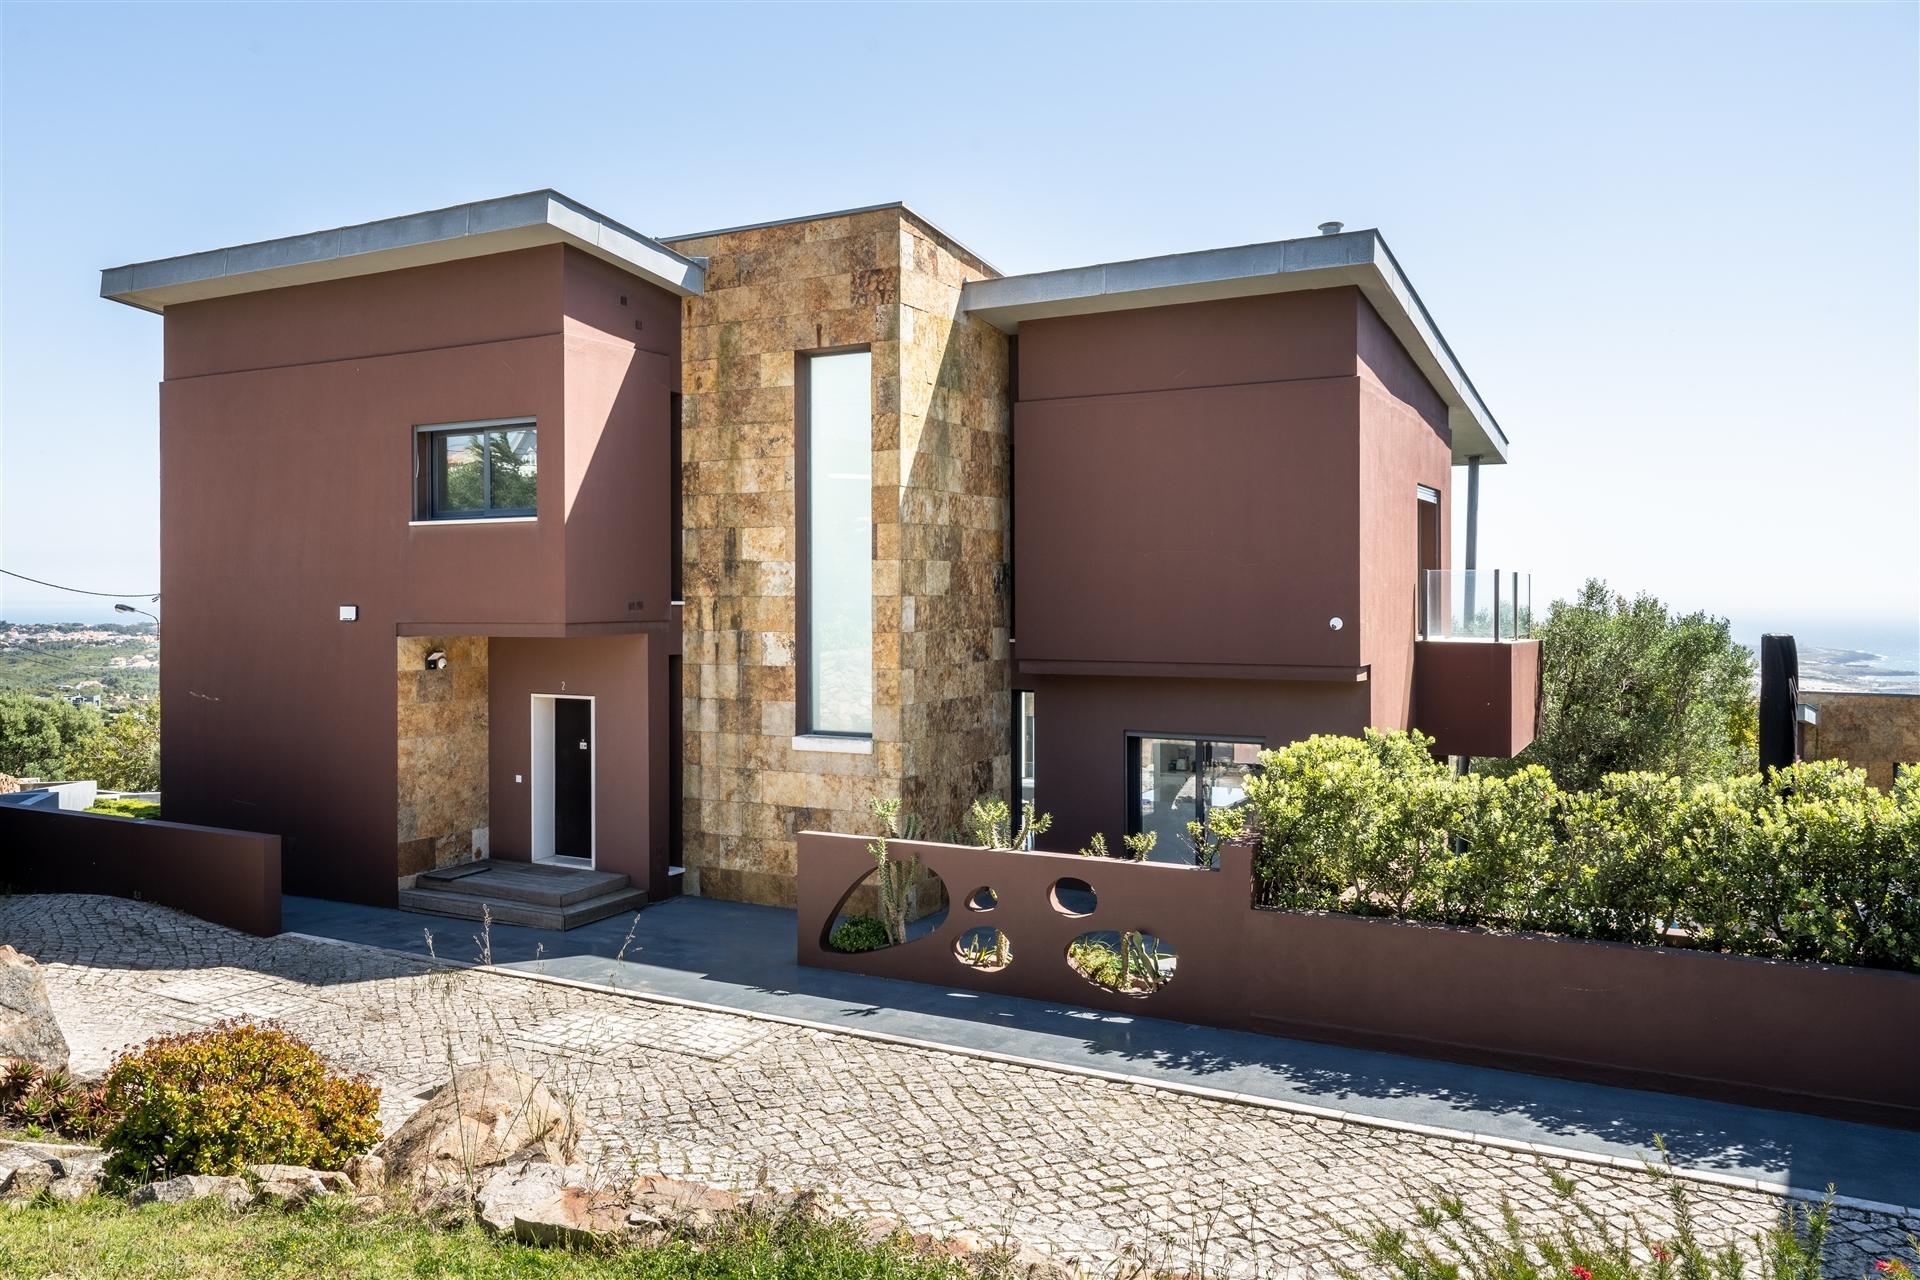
1807	863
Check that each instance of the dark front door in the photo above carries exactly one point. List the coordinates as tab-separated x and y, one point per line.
572	778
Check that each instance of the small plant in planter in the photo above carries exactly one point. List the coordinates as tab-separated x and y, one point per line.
893	878
990	824
219	1100
1135	966
984	949
859	933
1134	848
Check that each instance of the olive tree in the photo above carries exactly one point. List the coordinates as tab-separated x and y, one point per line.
1628	685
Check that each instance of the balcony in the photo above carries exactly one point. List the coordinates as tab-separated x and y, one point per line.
1476	604
1476	666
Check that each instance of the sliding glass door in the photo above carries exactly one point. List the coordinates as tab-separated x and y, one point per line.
1175	781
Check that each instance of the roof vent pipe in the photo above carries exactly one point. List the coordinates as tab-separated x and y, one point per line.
1331	228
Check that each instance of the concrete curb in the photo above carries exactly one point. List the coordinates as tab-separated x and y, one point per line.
1466	1137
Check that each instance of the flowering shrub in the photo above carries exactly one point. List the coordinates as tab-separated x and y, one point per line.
1806	863
216	1101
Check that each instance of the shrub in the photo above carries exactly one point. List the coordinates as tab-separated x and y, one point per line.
126	807
1504	844
216	1101
859	933
1806	863
37	733
123	754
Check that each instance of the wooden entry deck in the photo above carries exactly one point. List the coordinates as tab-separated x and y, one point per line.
539	894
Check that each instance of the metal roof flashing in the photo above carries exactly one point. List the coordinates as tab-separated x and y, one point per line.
928	224
440	235
1360	259
1357	258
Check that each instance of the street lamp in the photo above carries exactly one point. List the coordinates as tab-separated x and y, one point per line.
127	608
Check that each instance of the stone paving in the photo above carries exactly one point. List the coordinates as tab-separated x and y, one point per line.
1083	1168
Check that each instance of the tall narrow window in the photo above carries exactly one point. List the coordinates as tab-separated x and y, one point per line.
1023	730
835	396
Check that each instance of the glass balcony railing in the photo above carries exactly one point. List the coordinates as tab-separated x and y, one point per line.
1476	604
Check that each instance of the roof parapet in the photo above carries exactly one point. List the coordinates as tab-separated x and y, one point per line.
1324	261
471	230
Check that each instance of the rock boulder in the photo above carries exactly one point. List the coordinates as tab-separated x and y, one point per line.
485	1116
549	1204
233	1192
671	1202
292	1184
28	1031
26	1170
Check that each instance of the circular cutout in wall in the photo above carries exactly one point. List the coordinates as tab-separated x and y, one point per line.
1072	896
1131	963
982	899
986	949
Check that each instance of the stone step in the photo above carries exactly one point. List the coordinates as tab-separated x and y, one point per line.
465	906
536	883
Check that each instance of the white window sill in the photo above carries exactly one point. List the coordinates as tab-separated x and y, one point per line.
825	742
436	524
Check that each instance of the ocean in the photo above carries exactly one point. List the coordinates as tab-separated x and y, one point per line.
1877	656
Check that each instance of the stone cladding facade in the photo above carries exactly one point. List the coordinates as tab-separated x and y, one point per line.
1878	732
886	280
442	753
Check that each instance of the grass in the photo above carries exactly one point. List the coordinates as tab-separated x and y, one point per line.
123	807
107	1239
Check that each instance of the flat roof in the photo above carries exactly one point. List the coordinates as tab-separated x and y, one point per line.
901	205
1358	258
439	235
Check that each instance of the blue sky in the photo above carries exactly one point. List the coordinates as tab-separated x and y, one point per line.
1675	247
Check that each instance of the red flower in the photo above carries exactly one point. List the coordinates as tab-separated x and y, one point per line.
1660	1254
1580	1273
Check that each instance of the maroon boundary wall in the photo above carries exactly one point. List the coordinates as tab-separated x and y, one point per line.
228	877
1828	1039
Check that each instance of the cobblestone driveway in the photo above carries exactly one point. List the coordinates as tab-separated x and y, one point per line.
1080	1166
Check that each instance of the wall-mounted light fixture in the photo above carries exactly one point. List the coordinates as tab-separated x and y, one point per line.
349	613
1334	624
437	660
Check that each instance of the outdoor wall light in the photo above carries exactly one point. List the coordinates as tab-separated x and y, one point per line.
1334	624
349	613
437	660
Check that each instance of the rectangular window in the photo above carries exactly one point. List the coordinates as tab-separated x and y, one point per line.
476	470
833	394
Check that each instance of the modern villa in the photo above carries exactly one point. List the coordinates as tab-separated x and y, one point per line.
506	532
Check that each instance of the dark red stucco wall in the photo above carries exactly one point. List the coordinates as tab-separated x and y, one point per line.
286	491
626	677
1199	491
